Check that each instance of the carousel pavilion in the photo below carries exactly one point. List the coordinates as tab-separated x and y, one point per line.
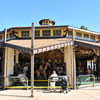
66	49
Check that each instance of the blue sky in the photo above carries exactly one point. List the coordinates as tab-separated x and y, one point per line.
65	12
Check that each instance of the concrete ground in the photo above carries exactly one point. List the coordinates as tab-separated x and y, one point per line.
89	93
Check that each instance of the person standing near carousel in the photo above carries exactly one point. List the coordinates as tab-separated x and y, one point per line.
53	80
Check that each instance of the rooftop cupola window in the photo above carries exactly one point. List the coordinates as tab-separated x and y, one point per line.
46	22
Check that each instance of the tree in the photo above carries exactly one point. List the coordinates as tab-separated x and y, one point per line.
83	27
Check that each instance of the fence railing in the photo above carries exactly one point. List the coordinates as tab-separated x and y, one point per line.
85	80
17	81
57	79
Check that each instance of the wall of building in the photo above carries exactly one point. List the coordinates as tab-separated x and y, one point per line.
51	32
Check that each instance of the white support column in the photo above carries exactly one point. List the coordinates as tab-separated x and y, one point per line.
9	66
68	59
10	61
17	57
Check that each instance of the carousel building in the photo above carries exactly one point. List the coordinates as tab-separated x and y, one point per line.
66	49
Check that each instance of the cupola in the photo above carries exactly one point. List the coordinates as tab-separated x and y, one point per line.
46	22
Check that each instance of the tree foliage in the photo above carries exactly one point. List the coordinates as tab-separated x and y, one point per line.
84	27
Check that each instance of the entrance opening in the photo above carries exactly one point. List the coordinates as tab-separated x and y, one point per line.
86	64
44	64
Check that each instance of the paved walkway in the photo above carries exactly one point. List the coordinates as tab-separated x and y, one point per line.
90	93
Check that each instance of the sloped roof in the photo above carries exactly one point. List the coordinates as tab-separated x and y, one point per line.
40	45
88	44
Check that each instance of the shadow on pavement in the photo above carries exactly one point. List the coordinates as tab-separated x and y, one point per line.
14	95
52	91
88	89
